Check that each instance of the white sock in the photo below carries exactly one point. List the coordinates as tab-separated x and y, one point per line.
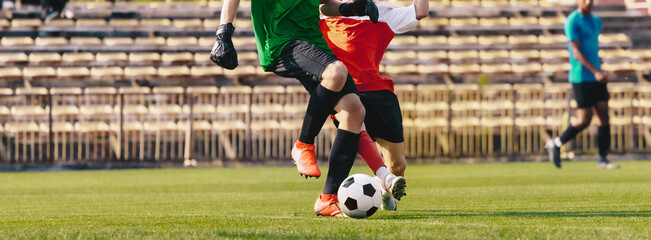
557	142
386	176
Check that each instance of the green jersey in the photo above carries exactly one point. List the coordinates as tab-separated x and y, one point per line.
277	22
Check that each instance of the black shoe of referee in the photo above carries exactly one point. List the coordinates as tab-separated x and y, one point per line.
554	153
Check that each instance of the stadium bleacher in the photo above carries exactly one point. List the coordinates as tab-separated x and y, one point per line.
133	81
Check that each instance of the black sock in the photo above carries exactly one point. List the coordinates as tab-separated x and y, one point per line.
569	134
342	157
603	141
320	106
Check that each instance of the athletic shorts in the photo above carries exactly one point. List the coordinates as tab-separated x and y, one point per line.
306	62
587	94
383	116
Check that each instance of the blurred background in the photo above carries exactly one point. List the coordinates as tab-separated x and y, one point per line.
101	84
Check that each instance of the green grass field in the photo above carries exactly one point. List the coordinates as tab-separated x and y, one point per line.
460	201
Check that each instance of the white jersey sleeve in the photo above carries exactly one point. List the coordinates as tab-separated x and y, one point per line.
399	19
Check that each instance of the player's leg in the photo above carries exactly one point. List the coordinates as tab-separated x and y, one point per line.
344	149
603	131
584	96
323	76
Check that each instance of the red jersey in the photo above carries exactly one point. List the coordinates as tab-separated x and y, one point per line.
360	44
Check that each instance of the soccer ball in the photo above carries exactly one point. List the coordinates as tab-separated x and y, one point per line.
359	196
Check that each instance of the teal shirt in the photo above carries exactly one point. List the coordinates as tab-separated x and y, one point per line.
586	30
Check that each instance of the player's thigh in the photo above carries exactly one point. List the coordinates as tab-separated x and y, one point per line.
303	61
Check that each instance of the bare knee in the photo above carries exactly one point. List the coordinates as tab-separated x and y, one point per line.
351	108
334	76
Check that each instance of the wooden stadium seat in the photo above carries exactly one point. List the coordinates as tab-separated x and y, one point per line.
60	22
123	22
523	56
187	23
618	68
168	102
13	58
433	23
155	22
44	59
527	69
150	41
494	56
523	41
203	58
11	73
177	58
556	68
466	138
247	58
549	21
494	21
242	71
401	69
460	22
462	40
494	3
554	55
77	59
432	56
39	73
403	42
464	3
211	23
530	118
614	39
640	55
144	58
207	41
425	40
267	103
26	22
206	71
173	71
140	72
496	69
107	73
50	41
407	96
244	43
465	69
642	67
73	73
555	40
5	23
85	41
399	57
111	58
497	113
435	69
16	41
182	41
91	22
523	21
118	41
614	55
497	40
464	56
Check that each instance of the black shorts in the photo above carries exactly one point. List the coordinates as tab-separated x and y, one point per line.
306	62
383	116
587	94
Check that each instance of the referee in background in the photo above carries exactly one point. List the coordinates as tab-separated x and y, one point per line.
588	82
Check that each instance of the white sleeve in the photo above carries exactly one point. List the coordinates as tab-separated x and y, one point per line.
399	19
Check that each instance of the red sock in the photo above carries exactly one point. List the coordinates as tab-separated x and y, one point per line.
369	152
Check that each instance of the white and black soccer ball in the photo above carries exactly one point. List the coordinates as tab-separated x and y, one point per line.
359	196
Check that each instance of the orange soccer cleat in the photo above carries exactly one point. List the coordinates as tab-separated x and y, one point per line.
327	205
304	157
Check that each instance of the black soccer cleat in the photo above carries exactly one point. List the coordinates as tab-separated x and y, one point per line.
554	153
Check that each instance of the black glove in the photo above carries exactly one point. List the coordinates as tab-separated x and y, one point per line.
223	52
360	8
